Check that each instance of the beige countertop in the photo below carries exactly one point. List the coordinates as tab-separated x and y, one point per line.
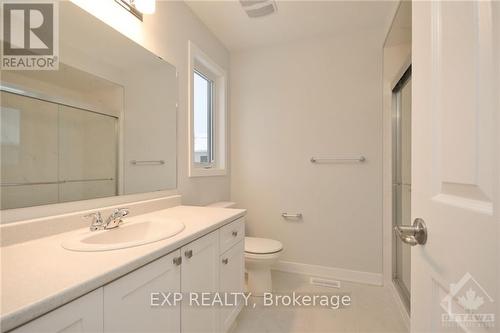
40	275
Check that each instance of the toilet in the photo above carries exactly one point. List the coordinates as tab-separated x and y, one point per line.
260	256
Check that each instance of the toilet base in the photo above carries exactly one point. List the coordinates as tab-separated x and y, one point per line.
259	280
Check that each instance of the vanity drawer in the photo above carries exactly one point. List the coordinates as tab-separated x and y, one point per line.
231	234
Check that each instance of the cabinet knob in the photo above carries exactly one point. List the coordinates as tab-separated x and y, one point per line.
188	254
225	261
235	233
177	261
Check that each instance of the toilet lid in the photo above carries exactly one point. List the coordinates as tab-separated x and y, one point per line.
262	245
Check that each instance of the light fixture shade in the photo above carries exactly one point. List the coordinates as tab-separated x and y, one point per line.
145	6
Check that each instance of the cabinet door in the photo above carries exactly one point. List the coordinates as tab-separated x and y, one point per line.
128	304
200	274
232	279
82	315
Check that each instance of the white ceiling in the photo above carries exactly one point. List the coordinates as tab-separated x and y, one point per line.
294	20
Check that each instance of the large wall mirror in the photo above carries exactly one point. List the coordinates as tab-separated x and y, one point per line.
102	125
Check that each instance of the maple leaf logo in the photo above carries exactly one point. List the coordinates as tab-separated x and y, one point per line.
470	301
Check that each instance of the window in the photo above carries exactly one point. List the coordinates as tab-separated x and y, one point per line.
203	119
207	115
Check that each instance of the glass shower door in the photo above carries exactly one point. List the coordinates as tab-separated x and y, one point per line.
88	152
402	183
53	153
29	151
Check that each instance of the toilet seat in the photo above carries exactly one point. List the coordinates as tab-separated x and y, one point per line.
261	246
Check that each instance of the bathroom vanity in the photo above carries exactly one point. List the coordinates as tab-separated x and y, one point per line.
47	287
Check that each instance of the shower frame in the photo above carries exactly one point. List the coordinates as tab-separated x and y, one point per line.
396	133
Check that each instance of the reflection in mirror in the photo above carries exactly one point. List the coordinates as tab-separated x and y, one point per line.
104	124
55	153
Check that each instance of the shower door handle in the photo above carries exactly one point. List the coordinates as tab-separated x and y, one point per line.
412	235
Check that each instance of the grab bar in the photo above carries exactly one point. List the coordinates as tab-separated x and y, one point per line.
357	158
56	182
288	215
152	162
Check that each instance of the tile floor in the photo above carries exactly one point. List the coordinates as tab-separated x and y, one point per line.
373	309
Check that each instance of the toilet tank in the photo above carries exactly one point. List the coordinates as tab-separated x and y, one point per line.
223	204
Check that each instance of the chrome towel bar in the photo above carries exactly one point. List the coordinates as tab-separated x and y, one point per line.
55	182
288	215
152	162
339	158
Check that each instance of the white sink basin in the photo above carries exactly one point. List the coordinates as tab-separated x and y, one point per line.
129	234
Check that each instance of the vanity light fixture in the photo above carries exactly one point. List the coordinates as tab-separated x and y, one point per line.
138	7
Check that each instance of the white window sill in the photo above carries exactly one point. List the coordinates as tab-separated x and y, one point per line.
202	172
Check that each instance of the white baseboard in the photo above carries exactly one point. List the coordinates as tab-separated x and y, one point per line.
399	303
330	272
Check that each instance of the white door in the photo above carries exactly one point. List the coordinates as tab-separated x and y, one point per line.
200	274
129	305
456	149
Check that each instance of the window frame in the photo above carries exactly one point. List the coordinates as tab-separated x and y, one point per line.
201	64
210	117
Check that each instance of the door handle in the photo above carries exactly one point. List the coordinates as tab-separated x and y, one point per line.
188	254
412	235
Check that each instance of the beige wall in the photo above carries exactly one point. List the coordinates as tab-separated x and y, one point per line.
166	33
293	101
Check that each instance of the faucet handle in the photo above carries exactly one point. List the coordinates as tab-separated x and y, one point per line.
97	221
120	212
116	218
95	215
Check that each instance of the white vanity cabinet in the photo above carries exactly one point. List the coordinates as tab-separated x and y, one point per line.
209	264
200	274
83	315
232	280
231	269
231	234
128	301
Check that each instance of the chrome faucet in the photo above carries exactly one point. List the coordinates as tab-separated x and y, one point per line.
115	218
112	221
97	222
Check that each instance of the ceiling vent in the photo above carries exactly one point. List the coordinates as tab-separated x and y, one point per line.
259	8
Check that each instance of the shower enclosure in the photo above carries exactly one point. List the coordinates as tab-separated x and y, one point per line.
52	152
401	182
